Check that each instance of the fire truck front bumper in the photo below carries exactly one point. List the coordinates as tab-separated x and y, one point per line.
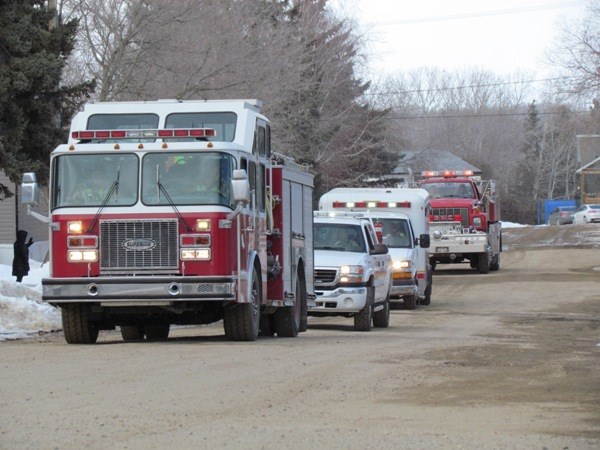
137	290
341	300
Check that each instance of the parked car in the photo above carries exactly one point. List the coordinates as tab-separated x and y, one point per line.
561	215
587	214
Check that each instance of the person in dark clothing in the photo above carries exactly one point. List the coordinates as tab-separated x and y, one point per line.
20	266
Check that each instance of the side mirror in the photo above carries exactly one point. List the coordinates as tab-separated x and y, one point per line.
240	187
30	189
424	241
380	249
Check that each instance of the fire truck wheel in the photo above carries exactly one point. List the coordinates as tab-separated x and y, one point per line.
410	301
483	263
157	331
77	326
381	318
495	264
363	319
288	318
241	321
132	333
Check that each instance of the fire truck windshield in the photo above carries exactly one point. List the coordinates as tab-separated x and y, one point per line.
190	178
85	180
445	190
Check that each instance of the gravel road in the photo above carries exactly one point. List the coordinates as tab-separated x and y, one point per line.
510	359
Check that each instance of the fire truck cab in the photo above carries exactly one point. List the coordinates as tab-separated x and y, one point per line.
465	219
178	212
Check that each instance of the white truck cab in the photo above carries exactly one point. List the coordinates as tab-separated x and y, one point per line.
353	270
400	217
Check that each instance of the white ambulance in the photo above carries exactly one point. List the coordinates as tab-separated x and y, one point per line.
401	219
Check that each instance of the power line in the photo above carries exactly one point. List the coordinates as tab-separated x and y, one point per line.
470	86
462	116
498	12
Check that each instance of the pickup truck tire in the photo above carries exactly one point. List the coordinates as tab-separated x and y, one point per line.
77	326
364	318
157	331
241	321
483	263
410	301
381	318
495	264
288	318
132	332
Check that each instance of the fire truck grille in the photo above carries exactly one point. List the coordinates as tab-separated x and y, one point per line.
138	245
447	215
324	276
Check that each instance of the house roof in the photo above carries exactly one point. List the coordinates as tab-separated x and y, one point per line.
416	162
588	165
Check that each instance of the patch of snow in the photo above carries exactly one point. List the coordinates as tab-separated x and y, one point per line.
513	225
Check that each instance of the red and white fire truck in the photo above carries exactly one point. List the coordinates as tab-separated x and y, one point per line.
465	219
177	212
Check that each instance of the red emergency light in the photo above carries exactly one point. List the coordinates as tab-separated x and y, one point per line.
144	134
446	173
371	204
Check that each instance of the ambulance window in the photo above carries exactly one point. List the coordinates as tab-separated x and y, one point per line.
370	237
223	123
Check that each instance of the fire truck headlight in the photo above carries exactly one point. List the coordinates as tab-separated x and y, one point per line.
199	254
203	225
437	234
74	227
82	256
477	221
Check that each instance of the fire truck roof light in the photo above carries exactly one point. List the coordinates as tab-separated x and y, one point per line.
143	134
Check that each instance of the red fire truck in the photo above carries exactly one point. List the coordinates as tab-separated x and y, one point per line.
464	220
177	212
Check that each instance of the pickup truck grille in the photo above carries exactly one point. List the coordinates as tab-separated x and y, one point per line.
325	276
138	246
447	215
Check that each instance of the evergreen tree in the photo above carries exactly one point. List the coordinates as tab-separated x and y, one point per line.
34	107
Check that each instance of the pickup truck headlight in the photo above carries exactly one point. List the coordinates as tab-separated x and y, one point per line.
402	268
351	274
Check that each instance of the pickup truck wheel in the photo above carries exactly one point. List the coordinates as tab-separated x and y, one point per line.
381	318
157	332
495	264
483	263
77	326
288	318
410	301
241	321
363	319
132	332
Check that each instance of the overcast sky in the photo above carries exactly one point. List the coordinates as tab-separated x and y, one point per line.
500	35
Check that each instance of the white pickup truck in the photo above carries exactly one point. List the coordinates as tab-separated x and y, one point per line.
353	272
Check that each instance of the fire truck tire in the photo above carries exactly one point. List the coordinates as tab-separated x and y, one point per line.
77	326
241	321
157	331
381	318
288	318
132	332
410	301
483	263
364	318
495	264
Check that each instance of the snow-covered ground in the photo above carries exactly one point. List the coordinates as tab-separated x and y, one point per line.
22	312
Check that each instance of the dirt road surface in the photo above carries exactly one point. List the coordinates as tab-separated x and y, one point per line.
510	359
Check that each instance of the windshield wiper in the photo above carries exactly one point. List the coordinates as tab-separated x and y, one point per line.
161	188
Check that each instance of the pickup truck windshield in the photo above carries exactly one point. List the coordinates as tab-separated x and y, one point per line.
339	237
85	180
187	178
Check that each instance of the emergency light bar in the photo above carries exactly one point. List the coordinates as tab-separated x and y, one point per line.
371	204
144	134
446	173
